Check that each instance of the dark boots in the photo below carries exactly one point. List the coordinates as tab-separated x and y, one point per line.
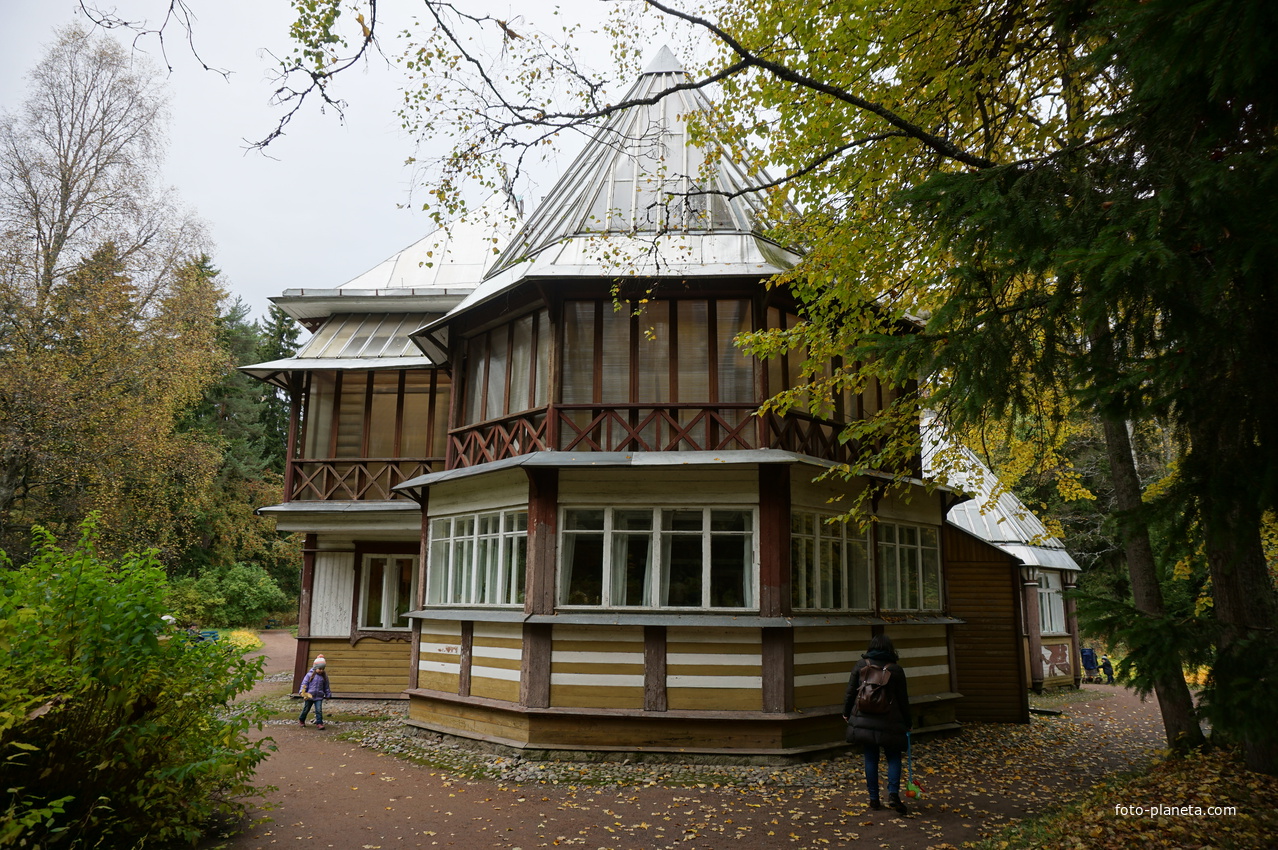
894	800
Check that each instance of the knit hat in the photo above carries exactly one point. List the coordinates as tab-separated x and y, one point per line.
319	661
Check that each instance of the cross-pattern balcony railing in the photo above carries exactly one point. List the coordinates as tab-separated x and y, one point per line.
354	479
645	428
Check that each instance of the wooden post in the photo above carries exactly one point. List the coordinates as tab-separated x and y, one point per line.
1029	585
654	668
539	584
300	664
774	540
419	599
1069	581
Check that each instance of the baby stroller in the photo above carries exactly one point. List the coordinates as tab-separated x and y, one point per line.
1091	668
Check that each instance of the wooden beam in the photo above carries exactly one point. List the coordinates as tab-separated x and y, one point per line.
654	668
778	670
774	540
543	520
467	653
534	667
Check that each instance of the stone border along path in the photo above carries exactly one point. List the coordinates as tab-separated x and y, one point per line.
368	784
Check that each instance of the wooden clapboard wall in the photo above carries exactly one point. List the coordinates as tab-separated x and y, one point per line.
496	655
711	669
597	667
369	668
439	657
983	587
823	659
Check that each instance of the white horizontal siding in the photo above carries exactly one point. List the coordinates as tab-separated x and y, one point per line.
754	682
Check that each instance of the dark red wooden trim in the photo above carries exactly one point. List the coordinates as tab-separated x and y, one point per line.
778	670
455	407
419	599
401	389
510	366
431	417
654	668
543	520
369	383
534	672
774	540
294	420
300	665
465	658
336	418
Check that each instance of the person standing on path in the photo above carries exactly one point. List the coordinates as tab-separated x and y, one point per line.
315	690
877	710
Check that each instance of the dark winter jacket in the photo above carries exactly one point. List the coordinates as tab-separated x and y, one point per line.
316	683
881	730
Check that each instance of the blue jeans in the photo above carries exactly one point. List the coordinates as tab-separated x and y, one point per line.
319	717
872	770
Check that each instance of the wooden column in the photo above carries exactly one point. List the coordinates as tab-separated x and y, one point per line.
419	599
1029	592
774	539
774	586
1069	581
466	656
300	664
654	668
294	417
539	584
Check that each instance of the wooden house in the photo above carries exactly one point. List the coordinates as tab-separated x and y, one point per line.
601	545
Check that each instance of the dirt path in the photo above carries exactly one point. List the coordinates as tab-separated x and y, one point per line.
335	793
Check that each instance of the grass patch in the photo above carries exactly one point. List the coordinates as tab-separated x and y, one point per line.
1067	696
1204	800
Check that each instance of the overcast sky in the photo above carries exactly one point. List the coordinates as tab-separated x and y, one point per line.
323	205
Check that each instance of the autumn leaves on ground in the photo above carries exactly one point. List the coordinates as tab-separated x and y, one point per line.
363	783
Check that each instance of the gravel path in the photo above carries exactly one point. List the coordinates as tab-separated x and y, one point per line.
368	781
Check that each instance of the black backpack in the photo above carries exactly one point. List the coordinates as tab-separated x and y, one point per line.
873	695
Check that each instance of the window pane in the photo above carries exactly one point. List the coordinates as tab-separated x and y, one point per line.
415	440
616	355
911	593
858	574
498	343
730	557
350	422
319	415
521	359
730	521
403	592
381	432
888	575
516	555
931	579
632	568
584	519
632	520
654	353
682	574
694	358
476	372
831	573
736	371
463	567
541	362
583	566
374	577
801	567
579	352
681	520
437	567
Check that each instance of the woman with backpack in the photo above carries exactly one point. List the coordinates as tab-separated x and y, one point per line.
877	710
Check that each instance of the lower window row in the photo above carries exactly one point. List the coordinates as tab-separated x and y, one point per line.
698	558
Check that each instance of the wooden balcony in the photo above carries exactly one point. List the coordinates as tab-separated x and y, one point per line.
644	428
353	479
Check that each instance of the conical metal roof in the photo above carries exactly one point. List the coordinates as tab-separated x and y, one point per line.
642	199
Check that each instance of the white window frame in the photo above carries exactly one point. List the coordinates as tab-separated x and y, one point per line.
889	553
478	559
1051	604
828	530
389	591
657	577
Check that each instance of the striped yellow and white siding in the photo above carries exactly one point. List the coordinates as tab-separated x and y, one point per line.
439	656
495	656
593	667
924	656
823	660
714	670
369	667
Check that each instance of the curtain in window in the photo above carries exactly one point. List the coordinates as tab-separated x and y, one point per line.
736	370
374	585
631	579
579	352
615	359
521	365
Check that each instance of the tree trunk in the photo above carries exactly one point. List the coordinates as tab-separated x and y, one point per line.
1174	700
1242	594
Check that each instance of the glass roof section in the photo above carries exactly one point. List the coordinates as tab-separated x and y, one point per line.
365	336
640	174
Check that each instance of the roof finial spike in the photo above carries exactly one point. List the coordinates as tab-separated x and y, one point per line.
664	62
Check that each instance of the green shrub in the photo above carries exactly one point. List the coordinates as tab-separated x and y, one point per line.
248	596
113	731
